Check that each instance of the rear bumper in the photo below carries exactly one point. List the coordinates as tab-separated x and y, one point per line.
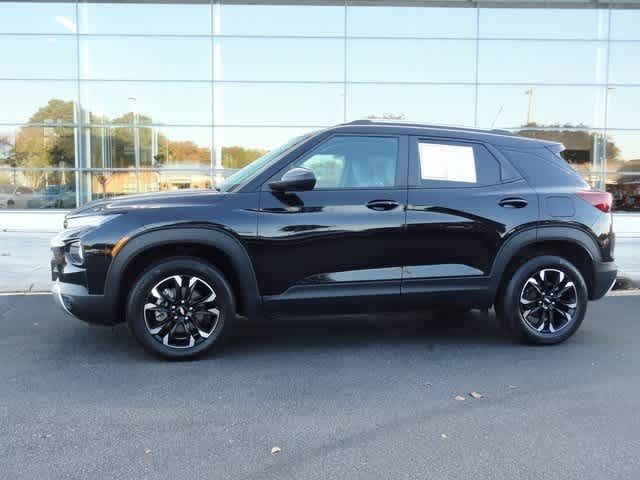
603	280
77	302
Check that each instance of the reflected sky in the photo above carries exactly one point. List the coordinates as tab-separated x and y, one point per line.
190	54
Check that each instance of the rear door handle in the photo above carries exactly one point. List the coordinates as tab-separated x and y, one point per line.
381	205
513	202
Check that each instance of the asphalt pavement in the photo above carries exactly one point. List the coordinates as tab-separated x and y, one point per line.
343	398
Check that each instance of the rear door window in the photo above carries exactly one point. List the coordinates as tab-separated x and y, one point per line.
447	164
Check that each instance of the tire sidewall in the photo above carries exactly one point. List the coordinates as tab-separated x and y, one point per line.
511	302
166	268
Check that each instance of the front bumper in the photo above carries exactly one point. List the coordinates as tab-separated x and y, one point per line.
603	280
77	302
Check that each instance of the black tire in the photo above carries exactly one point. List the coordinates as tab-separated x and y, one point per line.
528	302
208	277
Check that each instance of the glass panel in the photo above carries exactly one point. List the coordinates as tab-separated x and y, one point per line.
543	23
113	183
279	59
141	18
548	62
37	147
38	57
306	20
624	24
122	147
623	62
33	101
625	189
22	189
173	103
444	104
584	150
623	107
354	162
411	60
36	17
411	22
517	106
154	58
623	154
287	104
239	146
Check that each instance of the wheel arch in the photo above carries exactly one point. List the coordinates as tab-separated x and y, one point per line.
571	243
220	248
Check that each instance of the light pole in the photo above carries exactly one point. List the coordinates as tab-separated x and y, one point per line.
530	109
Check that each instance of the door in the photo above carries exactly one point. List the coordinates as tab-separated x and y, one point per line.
463	202
336	248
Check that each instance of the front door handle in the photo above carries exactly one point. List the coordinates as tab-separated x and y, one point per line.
513	202
381	205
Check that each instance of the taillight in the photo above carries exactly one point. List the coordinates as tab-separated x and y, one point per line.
601	200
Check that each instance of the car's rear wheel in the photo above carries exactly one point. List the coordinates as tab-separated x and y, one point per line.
178	307
544	301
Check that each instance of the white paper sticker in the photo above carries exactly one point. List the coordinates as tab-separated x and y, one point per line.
449	163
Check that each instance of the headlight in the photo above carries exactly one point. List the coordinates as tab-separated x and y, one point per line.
87	221
76	253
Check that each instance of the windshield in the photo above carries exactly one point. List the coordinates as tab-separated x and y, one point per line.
243	176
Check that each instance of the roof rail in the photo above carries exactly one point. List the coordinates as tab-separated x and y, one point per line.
425	125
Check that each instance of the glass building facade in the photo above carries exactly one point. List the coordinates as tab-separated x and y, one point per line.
100	99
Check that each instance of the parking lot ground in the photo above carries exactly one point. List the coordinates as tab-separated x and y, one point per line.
358	397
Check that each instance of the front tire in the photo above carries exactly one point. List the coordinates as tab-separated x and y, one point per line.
179	307
544	302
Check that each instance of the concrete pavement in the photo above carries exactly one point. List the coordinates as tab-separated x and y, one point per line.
344	398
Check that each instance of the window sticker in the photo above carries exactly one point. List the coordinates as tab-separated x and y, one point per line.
448	163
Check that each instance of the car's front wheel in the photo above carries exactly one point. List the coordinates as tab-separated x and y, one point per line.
178	307
544	301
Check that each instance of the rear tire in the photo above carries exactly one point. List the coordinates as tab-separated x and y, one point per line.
179	307
544	302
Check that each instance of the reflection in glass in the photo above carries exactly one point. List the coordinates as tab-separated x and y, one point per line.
282	59
236	147
37	147
626	155
145	58
543	106
411	60
37	101
145	18
623	62
154	102
442	104
383	21
625	189
38	57
113	183
623	107
624	24
546	62
37	17
33	188
123	147
573	23
307	20
276	104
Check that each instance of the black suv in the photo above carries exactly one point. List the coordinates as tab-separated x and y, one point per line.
361	217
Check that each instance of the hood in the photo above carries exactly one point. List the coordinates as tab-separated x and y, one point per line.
168	199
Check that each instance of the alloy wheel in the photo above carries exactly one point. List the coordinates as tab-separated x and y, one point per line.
548	301
181	311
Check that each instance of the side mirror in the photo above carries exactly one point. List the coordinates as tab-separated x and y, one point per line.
295	180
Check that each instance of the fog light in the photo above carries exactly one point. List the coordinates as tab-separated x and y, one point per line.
76	253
